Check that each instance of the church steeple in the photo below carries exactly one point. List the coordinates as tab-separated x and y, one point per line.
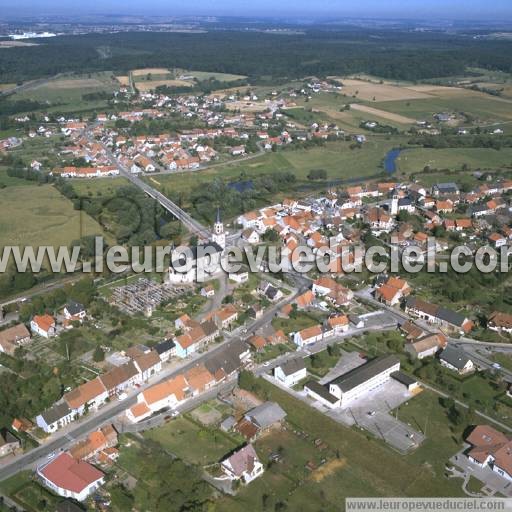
218	235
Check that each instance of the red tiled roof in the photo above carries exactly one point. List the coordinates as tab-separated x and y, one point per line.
65	472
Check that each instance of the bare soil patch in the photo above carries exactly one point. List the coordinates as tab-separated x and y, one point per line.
397	118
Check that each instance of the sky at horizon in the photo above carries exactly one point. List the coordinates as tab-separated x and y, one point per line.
428	9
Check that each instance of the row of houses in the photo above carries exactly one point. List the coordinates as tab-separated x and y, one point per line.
218	367
94	393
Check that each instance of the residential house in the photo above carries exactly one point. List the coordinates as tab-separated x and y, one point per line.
199	379
499	322
74	311
445	318
426	346
13	337
165	350
57	416
120	378
9	443
70	478
95	442
308	336
491	448
148	365
90	395
456	359
43	325
392	291
243	465
291	372
225	317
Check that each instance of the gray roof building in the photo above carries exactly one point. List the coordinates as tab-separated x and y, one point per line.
56	413
266	415
363	373
455	357
321	390
293	366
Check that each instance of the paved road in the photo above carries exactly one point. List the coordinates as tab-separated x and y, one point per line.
67	436
189	222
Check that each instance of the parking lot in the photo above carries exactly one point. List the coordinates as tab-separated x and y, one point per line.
372	412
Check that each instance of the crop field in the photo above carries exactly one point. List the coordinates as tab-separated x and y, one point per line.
389	116
39	215
123	80
151	71
415	160
371	91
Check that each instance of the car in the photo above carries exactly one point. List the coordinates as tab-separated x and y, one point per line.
371	413
122	396
496	366
266	363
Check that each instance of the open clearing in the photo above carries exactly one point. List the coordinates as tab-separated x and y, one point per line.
221	77
415	160
149	85
481	107
12	44
397	118
78	83
70	90
123	80
152	71
39	215
370	91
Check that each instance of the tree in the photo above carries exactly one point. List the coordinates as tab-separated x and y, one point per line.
98	355
317	174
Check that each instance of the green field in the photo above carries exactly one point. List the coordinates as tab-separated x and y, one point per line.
65	93
336	158
369	468
415	160
39	215
221	77
192	442
480	106
98	187
28	493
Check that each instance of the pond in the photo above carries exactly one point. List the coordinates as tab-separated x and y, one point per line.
390	160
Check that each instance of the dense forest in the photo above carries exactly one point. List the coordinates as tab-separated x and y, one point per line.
262	56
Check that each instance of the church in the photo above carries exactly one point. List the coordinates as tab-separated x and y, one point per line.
202	262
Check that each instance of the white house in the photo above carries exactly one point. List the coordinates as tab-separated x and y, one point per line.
291	372
71	478
74	311
239	277
456	359
43	325
55	417
308	336
243	465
